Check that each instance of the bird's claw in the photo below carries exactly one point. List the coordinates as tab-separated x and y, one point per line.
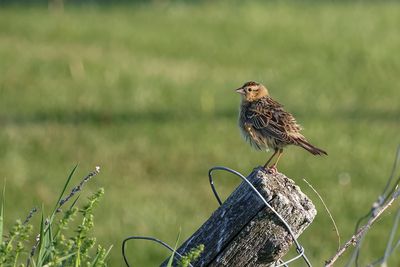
272	169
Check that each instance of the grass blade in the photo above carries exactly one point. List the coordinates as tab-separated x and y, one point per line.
94	263
108	251
63	190
67	257
171	259
41	241
2	213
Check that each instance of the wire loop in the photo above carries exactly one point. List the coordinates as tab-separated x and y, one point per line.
149	239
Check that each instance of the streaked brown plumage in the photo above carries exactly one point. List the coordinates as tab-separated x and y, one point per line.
266	125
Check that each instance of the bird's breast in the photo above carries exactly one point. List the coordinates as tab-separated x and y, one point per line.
255	137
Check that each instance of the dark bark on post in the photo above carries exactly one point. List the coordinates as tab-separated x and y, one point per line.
244	232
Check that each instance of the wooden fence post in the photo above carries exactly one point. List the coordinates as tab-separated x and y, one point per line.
244	232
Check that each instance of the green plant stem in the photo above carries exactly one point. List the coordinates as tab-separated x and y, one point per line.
16	259
78	245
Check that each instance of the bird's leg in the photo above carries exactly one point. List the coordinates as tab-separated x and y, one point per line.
273	168
269	160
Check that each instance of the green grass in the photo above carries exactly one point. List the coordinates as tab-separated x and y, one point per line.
146	92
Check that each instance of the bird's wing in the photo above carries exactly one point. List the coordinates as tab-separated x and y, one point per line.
268	116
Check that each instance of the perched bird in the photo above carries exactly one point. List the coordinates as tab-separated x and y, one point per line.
266	125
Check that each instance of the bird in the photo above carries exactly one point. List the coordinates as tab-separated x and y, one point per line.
266	125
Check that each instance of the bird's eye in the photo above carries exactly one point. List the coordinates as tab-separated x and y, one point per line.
249	89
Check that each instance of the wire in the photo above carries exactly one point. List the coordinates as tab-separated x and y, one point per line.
382	199
149	239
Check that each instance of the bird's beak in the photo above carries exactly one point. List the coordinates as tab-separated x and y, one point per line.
240	91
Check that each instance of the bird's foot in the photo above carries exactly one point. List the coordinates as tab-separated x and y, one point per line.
272	169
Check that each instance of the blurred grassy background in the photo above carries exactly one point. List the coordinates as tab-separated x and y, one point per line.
146	92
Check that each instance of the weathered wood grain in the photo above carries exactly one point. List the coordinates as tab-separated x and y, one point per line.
244	232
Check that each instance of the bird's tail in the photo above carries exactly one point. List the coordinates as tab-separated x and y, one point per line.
310	148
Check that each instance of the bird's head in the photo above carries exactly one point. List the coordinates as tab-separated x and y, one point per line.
252	91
